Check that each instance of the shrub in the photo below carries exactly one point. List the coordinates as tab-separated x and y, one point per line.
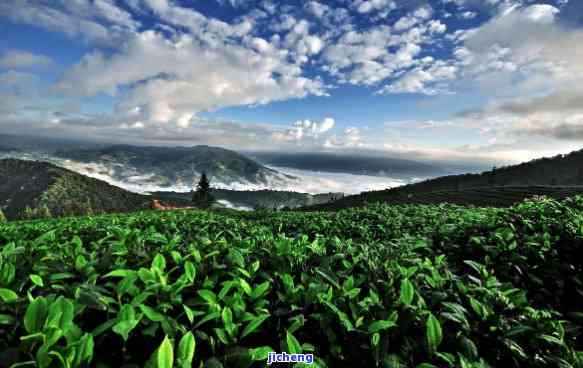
396	286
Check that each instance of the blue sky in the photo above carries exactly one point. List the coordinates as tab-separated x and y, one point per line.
453	80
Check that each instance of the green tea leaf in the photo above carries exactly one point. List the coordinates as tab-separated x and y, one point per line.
6	319
188	312
407	292
84	352
254	324
159	262
227	316
260	353
293	346
260	290
375	339
186	349
8	295
380	325
123	328
190	271
61	314
37	280
245	286
208	296
433	333
119	273
165	356
152	314
222	336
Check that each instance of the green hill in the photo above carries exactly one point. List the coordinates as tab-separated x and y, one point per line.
556	177
42	187
170	166
482	197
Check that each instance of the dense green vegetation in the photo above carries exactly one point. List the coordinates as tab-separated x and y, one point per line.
33	189
268	199
556	177
392	286
561	170
485	196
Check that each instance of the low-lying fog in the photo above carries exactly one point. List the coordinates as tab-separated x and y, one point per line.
307	181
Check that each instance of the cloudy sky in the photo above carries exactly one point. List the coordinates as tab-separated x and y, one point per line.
497	80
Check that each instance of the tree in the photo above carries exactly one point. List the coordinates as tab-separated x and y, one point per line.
203	196
28	214
44	212
2	217
86	209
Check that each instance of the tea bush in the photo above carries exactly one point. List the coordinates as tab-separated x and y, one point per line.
382	286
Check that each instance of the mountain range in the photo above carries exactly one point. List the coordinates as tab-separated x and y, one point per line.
174	166
557	177
373	164
30	189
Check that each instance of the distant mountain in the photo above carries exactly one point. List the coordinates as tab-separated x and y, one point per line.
555	173
174	166
43	186
25	143
270	199
375	165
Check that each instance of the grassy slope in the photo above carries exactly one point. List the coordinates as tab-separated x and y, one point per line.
483	197
556	177
39	184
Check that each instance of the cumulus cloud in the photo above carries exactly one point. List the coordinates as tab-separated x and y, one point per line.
16	79
164	72
367	6
99	21
414	18
20	59
385	52
422	79
543	64
190	73
305	130
543	54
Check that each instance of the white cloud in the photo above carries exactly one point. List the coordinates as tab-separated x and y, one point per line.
422	79
468	15
305	130
351	138
327	124
98	21
13	78
19	59
540	58
367	6
170	78
317	8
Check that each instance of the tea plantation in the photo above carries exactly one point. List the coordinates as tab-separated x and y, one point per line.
381	286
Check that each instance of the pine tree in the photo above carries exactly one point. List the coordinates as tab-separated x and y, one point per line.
89	209
28	213
44	212
203	196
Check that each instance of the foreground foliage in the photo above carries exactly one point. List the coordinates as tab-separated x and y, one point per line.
391	286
